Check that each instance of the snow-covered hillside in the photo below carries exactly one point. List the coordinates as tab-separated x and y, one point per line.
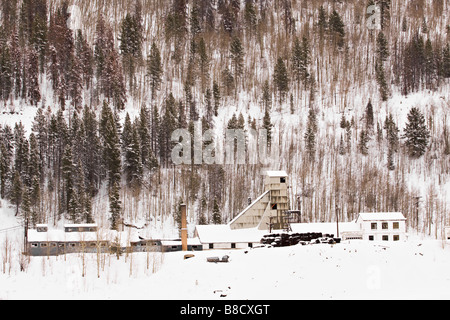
306	70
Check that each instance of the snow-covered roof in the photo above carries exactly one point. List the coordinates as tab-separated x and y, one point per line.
224	234
58	235
377	216
190	241
81	225
277	173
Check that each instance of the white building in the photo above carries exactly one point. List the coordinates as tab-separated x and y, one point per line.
379	226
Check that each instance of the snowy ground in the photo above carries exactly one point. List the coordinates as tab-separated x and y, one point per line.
417	269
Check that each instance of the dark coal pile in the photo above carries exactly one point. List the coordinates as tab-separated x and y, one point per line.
286	240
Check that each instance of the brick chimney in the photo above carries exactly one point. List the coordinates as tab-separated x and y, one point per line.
184	232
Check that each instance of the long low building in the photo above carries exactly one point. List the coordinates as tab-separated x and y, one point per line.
389	226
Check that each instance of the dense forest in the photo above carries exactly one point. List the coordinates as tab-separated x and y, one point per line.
353	96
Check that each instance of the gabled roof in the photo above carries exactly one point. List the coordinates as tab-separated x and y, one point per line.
277	173
378	216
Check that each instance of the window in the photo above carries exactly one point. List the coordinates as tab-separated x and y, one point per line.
43	245
385	238
373	226
282	180
34	245
233	246
250	245
371	238
396	237
396	225
385	226
211	245
275	206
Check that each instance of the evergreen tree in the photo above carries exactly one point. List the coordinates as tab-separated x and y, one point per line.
237	56
92	151
111	146
364	139
204	61
310	134
216	215
228	81
416	133
115	206
300	60
130	44
266	96
217	97
382	47
392	133
6	72
250	16
132	162
5	165
154	69
281	80
267	125
16	193
322	23
446	61
381	80
34	92
369	118
342	149
336	28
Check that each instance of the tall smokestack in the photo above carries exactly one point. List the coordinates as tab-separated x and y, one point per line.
184	234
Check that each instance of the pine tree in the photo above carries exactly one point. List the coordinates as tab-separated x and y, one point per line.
115	206
250	16
6	72
92	150
342	149
111	146
446	61
154	69
132	162
382	47
310	134
381	80
390	160
266	96
281	80
69	196
392	133
322	23
216	215
416	133
228	81
217	97
16	193
369	118
33	78
364	139
336	28
204	62
5	165
130	44
268	126
237	56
